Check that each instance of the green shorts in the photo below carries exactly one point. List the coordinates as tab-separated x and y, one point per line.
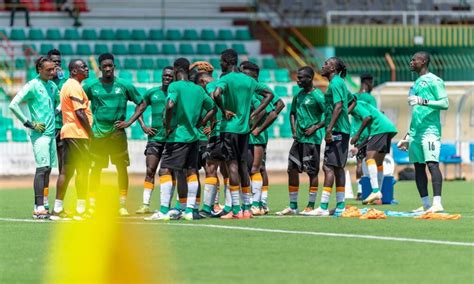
425	149
44	149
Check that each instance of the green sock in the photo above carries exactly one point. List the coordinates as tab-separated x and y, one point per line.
246	207
177	205
375	190
236	209
255	203
206	208
188	210
227	208
340	205
293	205
311	204
195	210
164	209
324	206
260	204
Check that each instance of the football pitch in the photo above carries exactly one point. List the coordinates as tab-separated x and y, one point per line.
272	249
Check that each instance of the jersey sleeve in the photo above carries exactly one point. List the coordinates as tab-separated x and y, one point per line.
172	92
439	89
24	95
223	84
207	103
87	87
260	87
337	93
293	105
133	94
211	87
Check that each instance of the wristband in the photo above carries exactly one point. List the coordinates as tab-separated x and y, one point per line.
28	124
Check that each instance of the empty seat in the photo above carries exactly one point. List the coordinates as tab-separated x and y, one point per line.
281	91
147	63
83	49
400	157
173	34
151	48
243	35
169	49
138	34
17	34
89	34
219	47
71	34
130	63
100	48
239	48
269	63
119	49
45	47
156	34
143	76
123	34
264	76
107	34
20	63
186	49
204	48
215	63
282	75
190	34
208	34
225	34
66	49
126	75
53	34
135	48
35	34
162	63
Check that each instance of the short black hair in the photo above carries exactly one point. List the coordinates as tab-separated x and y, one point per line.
248	65
181	65
54	51
40	61
73	64
307	69
168	68
366	77
105	56
426	56
230	56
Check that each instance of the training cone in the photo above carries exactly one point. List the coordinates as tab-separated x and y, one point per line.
349	193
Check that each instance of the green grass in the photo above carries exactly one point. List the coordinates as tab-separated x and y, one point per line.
216	255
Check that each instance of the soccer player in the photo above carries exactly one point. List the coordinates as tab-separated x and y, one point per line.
258	140
359	150
237	89
156	99
307	125
380	133
109	96
423	141
59	80
182	120
37	94
75	134
336	103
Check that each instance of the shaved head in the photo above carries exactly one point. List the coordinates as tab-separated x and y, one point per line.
425	56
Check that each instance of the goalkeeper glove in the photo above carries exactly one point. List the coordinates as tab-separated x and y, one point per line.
36	126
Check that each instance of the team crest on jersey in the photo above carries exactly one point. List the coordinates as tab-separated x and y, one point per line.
118	90
423	84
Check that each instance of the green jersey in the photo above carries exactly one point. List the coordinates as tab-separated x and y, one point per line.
211	87
190	100
426	120
109	103
359	113
156	98
308	109
379	124
238	90
366	97
38	97
56	100
262	138
335	93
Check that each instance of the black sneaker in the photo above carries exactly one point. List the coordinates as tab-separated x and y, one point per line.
205	214
197	216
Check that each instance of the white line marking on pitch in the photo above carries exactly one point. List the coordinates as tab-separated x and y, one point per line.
325	234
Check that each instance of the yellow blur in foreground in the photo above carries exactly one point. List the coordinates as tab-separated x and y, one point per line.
106	249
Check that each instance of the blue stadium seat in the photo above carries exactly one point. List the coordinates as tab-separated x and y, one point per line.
400	157
448	156
471	150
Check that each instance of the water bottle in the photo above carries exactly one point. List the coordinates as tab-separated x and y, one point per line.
60	74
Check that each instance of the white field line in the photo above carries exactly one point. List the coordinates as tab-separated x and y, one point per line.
264	230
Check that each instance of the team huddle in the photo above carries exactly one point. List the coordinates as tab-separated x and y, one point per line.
218	125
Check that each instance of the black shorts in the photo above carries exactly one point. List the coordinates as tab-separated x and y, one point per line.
214	149
114	146
251	155
57	134
380	143
76	152
336	152
235	146
202	154
180	156
304	157
362	150
154	148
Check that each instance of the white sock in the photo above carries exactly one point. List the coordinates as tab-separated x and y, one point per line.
166	190
372	169
228	197
58	206
437	200
216	196
92	201
123	200
293	193
426	202
359	186
326	194
235	195
193	187
257	183
264	197
210	189
380	176
40	208
147	196
81	206
246	195
340	194
313	193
